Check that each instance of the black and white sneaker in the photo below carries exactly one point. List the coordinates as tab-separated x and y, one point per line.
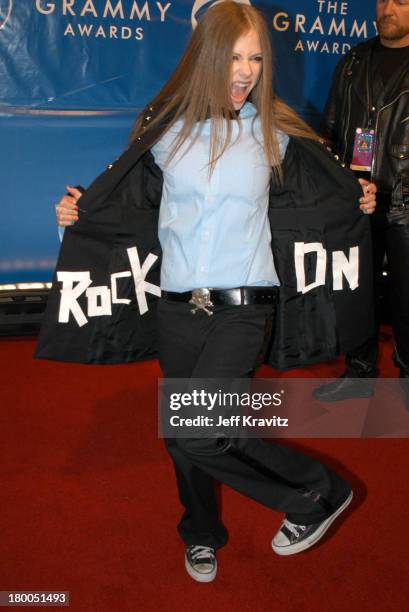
201	563
291	539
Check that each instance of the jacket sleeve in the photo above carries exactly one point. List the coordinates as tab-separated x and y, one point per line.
331	122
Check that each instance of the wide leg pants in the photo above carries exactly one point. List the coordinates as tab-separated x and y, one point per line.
228	345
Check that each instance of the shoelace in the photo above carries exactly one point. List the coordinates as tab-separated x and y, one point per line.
201	552
295	529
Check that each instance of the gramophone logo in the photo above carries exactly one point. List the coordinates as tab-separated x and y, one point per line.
198	4
5	11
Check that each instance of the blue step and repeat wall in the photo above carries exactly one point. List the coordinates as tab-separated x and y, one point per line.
74	73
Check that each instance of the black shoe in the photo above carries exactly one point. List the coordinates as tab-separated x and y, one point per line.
201	563
291	539
344	388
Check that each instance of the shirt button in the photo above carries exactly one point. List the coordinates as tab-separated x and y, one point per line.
202	268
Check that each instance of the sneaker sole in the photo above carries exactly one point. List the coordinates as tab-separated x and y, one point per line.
313	539
199	577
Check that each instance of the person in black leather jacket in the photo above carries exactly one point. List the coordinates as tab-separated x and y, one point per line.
368	104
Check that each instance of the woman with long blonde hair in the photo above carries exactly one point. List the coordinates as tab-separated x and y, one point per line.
216	135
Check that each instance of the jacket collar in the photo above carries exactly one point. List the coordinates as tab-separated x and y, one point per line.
358	66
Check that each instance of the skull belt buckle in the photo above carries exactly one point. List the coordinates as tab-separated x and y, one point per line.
201	301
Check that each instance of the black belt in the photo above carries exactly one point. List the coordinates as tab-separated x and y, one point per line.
206	298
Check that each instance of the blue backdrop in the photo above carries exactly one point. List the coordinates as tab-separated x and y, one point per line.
74	73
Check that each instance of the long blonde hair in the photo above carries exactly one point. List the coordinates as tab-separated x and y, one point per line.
199	87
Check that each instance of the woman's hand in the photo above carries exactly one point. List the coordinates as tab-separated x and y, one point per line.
67	209
368	201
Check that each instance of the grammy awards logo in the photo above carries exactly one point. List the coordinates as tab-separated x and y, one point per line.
198	4
5	11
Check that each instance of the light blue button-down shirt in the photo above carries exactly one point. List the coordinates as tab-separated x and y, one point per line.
214	230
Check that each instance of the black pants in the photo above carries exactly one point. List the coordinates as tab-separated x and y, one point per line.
390	237
228	344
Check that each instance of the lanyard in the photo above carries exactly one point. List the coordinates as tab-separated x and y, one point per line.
369	92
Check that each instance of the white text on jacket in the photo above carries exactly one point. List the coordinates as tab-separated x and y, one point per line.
101	298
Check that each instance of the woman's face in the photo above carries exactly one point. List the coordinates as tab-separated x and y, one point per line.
246	67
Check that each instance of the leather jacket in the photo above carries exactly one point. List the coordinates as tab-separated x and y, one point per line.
347	108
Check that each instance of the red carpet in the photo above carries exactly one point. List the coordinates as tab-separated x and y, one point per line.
89	506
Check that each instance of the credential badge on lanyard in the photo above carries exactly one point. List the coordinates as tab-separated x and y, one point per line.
363	150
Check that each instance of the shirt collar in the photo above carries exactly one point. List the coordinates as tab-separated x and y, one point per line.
247	110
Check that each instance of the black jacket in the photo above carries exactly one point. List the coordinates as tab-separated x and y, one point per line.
347	108
94	312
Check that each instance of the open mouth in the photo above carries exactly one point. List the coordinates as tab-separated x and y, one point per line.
240	91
